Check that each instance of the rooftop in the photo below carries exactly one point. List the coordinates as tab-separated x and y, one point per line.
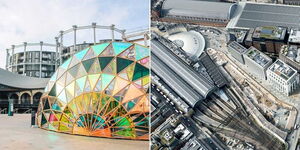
237	47
21	82
241	35
192	42
292	52
251	15
294	35
270	32
198	9
282	69
258	56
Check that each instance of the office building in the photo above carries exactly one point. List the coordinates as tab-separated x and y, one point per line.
290	54
267	39
283	77
257	62
237	51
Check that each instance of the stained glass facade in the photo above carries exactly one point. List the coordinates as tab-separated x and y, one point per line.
100	91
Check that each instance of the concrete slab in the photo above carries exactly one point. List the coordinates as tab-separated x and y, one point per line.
16	134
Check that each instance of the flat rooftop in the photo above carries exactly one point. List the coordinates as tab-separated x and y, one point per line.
237	47
282	69
258	57
251	15
269	32
292	52
294	35
16	134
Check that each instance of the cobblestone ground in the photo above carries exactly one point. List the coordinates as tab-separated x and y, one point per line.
16	134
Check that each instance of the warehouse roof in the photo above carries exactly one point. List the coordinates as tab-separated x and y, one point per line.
251	15
21	82
203	9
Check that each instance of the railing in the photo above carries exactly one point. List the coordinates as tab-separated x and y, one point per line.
3	111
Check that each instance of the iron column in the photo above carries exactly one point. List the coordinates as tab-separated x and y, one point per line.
41	44
24	60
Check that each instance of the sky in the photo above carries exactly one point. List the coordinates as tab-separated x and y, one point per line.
41	20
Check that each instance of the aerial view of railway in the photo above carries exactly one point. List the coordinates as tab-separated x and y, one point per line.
225	74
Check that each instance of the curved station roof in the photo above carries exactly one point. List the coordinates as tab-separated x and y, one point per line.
21	82
201	9
251	15
192	42
100	91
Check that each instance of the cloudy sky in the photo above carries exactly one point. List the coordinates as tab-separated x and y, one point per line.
41	20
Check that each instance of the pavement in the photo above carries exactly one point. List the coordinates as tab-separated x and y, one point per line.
16	134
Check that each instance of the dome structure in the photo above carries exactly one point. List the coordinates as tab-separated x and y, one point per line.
100	91
192	42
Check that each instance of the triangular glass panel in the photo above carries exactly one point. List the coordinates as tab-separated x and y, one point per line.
69	95
73	62
123	75
81	53
132	92
110	87
93	79
111	67
145	62
71	88
53	78
122	63
119	47
63	97
62	79
130	71
98	49
87	86
95	67
81	71
78	90
98	86
59	88
106	79
55	106
66	63
69	78
140	71
44	120
80	82
141	52
128	53
90	54
60	72
119	85
46	106
53	91
108	51
87	64
104	61
73	71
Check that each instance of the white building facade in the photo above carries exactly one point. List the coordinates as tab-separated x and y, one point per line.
257	62
283	77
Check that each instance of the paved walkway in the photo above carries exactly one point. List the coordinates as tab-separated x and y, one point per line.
16	134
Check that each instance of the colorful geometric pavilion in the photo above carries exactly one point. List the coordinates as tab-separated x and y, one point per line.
100	91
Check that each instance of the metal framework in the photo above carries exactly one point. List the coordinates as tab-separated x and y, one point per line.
74	30
11	53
